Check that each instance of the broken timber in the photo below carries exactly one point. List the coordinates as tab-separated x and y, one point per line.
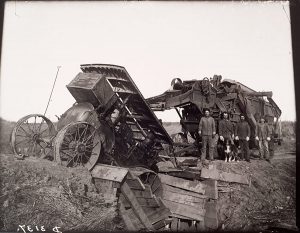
224	176
194	186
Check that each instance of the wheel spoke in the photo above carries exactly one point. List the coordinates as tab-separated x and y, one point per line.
93	146
40	133
22	141
19	135
41	124
28	125
25	131
84	132
90	136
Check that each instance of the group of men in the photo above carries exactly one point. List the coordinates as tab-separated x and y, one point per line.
228	131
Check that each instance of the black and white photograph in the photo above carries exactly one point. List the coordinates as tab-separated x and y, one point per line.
147	116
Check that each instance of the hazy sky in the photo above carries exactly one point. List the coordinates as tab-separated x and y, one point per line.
155	41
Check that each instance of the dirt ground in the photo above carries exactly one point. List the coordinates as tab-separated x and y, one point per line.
38	192
269	201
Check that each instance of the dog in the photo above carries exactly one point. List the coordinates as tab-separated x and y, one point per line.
231	150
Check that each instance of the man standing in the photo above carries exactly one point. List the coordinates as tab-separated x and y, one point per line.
226	130
263	136
207	130
242	132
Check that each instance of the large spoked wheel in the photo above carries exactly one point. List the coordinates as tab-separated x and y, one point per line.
77	144
32	136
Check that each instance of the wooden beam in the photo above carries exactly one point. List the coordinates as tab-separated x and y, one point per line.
181	191
211	215
184	210
224	176
127	220
149	202
184	199
211	188
129	195
194	186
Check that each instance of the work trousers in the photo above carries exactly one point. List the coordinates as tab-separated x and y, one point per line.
207	140
263	149
271	148
244	149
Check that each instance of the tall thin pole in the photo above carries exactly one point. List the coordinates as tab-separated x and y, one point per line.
52	90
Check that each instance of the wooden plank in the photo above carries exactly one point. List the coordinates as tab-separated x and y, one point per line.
127	220
181	191
129	195
194	186
160	213
124	201
183	174
184	210
224	176
147	193
187	161
211	188
148	202
211	215
135	184
162	223
174	224
181	217
107	172
184	199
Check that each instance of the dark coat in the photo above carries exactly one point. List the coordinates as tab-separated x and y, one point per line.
242	130
226	128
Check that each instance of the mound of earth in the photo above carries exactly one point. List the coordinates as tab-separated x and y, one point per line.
39	192
269	200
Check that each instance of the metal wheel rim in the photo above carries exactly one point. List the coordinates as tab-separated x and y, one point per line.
77	144
36	136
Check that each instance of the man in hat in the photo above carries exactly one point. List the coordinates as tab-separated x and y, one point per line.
242	132
207	131
263	137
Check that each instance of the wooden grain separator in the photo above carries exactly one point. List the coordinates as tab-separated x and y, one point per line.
141	209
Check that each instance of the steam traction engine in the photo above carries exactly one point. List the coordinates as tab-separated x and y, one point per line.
110	123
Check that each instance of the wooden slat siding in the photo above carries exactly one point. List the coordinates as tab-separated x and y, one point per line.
124	201
181	217
161	224
160	213
155	183
135	220
129	195
211	216
147	193
185	226
194	186
224	176
174	224
183	192
148	202
127	220
184	210
135	184
211	188
184	199
183	174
